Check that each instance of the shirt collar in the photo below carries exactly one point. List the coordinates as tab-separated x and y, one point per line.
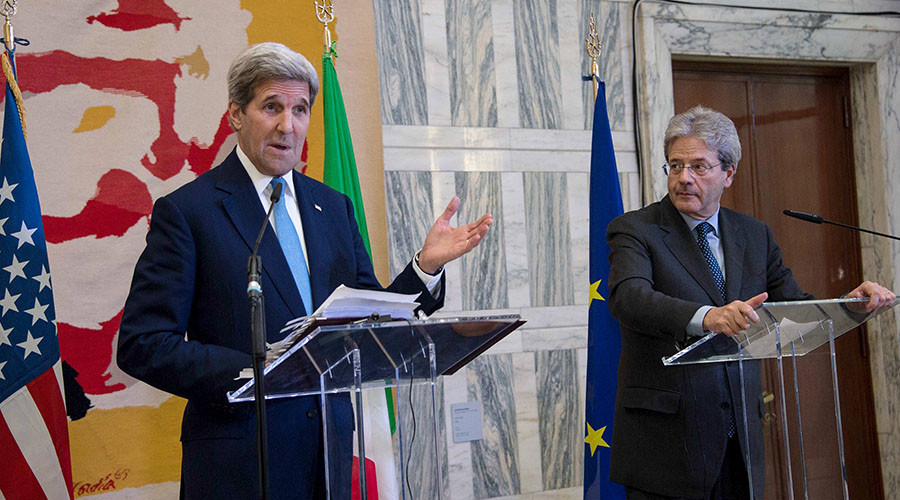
693	223
261	181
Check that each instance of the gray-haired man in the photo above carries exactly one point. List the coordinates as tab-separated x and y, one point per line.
682	267
185	328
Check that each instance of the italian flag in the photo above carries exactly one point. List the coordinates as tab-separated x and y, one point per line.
340	174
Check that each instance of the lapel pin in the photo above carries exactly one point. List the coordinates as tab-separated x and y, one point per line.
317	207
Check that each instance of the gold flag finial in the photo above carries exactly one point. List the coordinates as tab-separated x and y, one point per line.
593	48
9	10
325	15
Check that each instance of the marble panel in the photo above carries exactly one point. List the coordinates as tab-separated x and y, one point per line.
518	276
470	51
409	215
562	449
539	139
550	161
459	456
572	68
487	138
630	184
608	19
579	229
581	356
537	63
558	338
484	268
505	74
495	459
553	317
528	430
549	245
512	343
576	493
398	36
418	137
522	139
437	78
425	460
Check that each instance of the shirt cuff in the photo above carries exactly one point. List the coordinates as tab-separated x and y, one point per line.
431	281
695	327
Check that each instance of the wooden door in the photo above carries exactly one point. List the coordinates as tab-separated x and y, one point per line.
794	127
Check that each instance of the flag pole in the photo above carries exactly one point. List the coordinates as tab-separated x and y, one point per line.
593	47
325	15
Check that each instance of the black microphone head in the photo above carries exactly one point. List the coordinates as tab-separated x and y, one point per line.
817	219
276	192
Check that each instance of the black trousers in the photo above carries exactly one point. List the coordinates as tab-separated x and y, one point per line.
732	483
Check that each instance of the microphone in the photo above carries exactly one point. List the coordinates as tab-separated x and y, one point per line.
818	219
253	265
258	334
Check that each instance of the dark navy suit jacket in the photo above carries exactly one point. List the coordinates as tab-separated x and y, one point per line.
192	278
671	423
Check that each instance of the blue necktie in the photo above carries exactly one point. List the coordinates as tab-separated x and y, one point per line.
703	229
290	245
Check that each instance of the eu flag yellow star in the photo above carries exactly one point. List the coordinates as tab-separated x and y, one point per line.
595	438
595	294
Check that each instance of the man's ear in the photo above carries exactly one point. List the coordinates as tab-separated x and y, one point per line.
729	175
235	115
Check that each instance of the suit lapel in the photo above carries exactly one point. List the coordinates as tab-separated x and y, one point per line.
683	246
246	213
734	243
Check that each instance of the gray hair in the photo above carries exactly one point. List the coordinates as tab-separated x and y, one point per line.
264	62
712	127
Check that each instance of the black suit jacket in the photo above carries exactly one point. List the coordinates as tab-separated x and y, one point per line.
671	423
192	278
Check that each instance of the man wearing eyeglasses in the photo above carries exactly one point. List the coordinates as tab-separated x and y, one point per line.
681	268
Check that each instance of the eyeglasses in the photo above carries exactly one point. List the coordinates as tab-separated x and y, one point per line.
698	170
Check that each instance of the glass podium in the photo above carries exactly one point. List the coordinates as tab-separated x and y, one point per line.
332	359
795	330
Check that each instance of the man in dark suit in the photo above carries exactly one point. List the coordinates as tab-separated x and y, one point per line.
679	269
185	327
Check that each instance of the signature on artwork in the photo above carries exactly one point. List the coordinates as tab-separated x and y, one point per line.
105	483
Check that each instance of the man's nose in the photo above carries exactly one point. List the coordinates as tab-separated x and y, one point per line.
285	123
686	176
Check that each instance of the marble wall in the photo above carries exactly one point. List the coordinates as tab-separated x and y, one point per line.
484	99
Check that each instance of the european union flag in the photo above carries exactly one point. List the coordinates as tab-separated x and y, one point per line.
604	338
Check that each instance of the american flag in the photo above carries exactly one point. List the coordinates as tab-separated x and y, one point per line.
34	437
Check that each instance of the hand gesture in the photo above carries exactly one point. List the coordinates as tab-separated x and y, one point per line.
445	242
735	317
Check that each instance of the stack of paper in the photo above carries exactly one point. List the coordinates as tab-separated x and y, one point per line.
347	302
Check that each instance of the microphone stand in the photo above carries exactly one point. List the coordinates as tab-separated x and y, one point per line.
258	333
818	219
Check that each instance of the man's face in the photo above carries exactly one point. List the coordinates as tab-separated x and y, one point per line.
693	195
272	130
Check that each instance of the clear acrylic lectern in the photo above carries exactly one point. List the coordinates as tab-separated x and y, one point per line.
336	358
788	329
